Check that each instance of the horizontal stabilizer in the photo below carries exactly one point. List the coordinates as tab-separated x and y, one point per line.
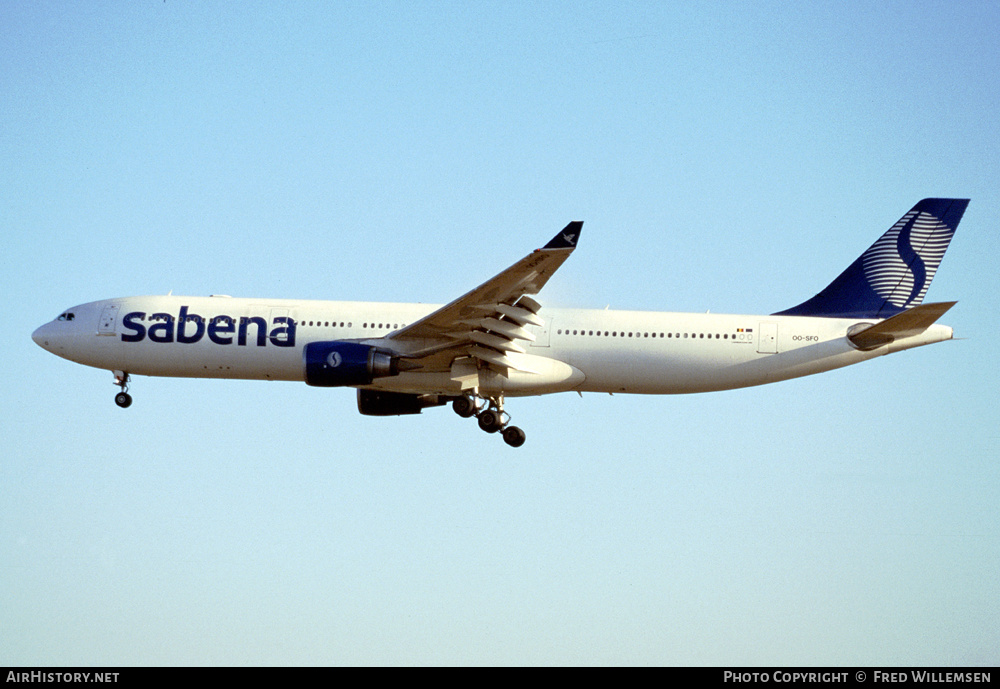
906	324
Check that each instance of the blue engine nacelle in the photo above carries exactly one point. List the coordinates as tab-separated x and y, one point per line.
335	364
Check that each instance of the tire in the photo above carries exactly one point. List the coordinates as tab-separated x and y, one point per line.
489	421
513	436
123	400
464	407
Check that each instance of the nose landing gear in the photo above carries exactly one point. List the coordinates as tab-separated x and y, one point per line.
122	399
491	417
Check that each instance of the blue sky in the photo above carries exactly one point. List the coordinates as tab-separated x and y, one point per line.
725	156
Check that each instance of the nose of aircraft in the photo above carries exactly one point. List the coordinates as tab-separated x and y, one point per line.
39	336
51	337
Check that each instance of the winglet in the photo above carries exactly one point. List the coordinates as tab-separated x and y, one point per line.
567	238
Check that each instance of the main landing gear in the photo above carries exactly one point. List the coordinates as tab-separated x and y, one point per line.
122	399
491	417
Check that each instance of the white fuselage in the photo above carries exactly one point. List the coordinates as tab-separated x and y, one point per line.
576	349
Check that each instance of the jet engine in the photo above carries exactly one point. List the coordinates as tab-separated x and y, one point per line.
382	403
335	364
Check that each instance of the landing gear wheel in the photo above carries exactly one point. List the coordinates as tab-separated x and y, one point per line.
513	436
464	407
490	421
122	399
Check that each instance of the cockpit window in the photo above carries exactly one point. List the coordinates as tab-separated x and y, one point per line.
68	316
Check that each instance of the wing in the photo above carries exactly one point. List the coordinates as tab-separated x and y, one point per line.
487	323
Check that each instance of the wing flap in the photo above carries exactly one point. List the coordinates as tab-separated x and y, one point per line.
498	343
519	315
511	330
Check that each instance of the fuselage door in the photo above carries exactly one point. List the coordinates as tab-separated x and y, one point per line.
767	338
109	320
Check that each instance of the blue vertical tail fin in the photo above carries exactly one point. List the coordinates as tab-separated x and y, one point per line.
895	272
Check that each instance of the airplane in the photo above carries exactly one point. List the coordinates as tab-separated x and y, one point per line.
497	341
